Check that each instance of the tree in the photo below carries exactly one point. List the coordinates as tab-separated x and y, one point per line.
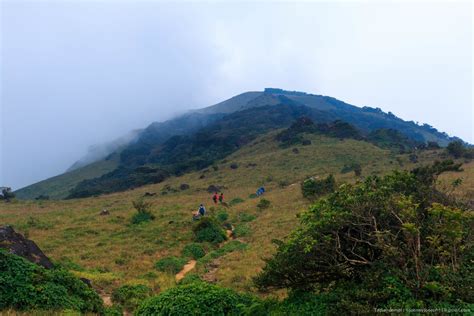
6	194
456	149
397	235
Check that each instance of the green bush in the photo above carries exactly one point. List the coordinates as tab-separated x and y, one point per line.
194	251
222	216
130	296
197	298
115	310
387	242
236	201
143	212
170	264
245	217
313	188
142	217
208	229
26	286
263	204
242	230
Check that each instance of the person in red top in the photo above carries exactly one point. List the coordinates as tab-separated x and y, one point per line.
221	197
215	197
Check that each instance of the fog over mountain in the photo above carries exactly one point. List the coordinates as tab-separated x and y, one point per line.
77	74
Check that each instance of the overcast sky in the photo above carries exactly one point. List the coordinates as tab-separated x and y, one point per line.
79	73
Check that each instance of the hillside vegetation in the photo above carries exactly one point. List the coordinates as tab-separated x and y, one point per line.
112	251
157	145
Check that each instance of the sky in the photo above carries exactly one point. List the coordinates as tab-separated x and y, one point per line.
79	73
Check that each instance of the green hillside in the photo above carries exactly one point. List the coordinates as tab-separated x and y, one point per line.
112	251
159	142
58	187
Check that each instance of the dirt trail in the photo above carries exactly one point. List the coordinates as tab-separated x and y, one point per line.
192	263
187	267
107	300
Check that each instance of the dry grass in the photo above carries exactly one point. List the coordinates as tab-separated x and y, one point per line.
111	251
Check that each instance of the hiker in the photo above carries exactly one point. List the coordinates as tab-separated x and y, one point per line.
215	198
202	210
221	197
199	213
260	191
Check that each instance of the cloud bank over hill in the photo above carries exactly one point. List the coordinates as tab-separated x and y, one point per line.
76	74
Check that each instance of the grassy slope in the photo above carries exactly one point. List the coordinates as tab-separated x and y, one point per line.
112	252
58	187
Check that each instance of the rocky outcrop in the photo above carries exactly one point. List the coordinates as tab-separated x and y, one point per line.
17	244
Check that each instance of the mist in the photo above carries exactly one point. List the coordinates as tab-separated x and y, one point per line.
77	74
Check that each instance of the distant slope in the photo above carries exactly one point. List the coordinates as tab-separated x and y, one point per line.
366	118
58	187
152	142
100	152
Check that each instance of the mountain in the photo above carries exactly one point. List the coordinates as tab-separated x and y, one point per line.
199	138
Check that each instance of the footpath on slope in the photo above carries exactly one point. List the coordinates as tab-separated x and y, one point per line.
192	263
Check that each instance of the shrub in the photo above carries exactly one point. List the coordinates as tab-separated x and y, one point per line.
193	250
170	264
26	286
394	241
130	296
242	230
142	217
197	298
234	166
456	149
313	188
6	194
141	205
263	204
245	217
143	212
222	216
252	196
184	186
208	229
236	201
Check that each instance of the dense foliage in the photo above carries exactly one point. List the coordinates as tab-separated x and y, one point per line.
194	251
313	188
130	296
208	229
6	194
26	286
457	149
393	241
170	264
304	125
196	298
120	179
393	140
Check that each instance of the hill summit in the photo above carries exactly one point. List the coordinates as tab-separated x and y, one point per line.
201	137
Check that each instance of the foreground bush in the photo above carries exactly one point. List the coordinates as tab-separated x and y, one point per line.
208	229
26	286
197	298
170	264
130	296
394	242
